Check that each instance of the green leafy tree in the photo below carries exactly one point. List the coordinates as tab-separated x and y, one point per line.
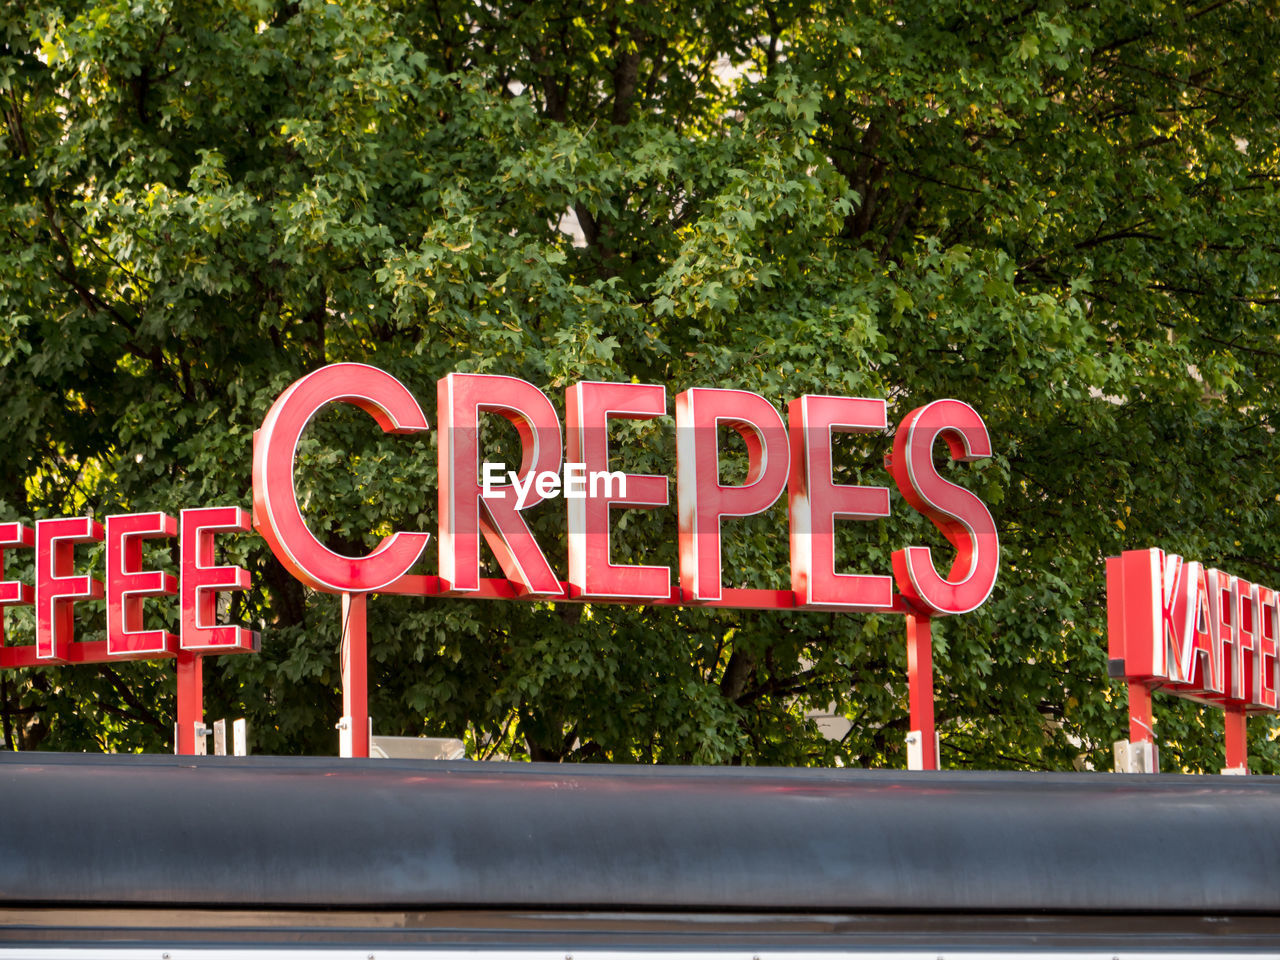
1063	214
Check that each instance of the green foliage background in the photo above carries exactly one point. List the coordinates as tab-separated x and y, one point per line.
1065	214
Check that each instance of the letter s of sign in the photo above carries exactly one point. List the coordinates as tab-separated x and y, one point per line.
276	514
963	519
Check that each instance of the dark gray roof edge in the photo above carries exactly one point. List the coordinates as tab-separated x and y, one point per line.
313	831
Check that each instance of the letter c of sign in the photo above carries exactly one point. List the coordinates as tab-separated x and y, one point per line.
276	515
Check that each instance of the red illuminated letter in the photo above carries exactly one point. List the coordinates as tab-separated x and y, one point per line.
1265	676
56	586
1201	665
276	514
963	519
1244	636
462	398
701	498
816	502
202	581
128	584
14	593
588	407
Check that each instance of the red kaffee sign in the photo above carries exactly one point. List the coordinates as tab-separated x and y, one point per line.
1176	626
1193	632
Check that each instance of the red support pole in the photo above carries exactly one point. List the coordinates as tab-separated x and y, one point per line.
920	684
1237	734
355	671
190	699
1141	729
1142	755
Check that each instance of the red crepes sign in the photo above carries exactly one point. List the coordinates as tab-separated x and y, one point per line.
485	502
479	503
1192	631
